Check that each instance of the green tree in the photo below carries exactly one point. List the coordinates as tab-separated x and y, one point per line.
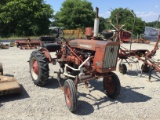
102	24
155	24
75	14
125	16
24	17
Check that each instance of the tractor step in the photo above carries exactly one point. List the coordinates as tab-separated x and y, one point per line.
9	85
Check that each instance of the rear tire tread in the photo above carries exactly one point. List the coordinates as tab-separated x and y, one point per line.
43	68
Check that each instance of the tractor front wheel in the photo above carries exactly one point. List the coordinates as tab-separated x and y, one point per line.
145	68
39	68
70	94
122	68
111	85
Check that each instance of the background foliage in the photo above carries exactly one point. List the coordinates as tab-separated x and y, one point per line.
127	17
75	14
33	17
24	17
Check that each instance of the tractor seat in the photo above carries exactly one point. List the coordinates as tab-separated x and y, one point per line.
48	39
108	34
51	47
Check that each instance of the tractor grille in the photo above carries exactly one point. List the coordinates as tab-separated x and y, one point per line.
110	57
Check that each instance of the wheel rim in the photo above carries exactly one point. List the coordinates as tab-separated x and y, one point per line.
34	69
68	96
109	85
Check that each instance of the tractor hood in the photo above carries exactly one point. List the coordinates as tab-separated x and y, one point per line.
90	44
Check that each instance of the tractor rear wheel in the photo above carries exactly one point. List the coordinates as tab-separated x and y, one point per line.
70	94
1	69
145	68
122	68
39	68
111	85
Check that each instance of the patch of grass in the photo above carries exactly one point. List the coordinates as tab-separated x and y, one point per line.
19	38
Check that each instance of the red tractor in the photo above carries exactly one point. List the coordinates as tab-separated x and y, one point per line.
81	60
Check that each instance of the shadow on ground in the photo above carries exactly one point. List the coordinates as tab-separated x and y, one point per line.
53	83
13	97
155	75
127	95
84	108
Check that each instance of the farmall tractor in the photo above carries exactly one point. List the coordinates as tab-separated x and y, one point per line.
81	60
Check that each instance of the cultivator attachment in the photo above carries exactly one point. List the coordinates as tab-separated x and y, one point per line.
8	84
28	44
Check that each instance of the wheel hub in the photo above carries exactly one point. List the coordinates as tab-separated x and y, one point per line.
110	85
68	96
35	67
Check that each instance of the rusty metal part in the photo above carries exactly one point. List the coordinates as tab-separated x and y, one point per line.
75	32
89	32
28	44
125	36
141	40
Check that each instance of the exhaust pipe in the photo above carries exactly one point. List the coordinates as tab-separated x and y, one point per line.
96	24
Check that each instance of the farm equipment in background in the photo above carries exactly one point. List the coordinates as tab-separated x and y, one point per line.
124	35
27	44
134	56
81	60
33	44
76	33
4	46
12	44
141	40
144	55
8	84
110	34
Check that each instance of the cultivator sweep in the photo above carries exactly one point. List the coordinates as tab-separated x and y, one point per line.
8	84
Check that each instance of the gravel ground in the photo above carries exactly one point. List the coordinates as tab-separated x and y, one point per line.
139	98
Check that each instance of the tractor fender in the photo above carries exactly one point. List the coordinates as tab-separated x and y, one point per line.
46	53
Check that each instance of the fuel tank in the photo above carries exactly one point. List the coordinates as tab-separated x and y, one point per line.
90	44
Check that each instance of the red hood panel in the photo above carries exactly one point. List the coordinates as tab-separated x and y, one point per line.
88	44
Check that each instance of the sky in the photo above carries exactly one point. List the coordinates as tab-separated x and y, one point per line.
147	10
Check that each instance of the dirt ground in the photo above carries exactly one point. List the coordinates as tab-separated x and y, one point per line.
139	98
